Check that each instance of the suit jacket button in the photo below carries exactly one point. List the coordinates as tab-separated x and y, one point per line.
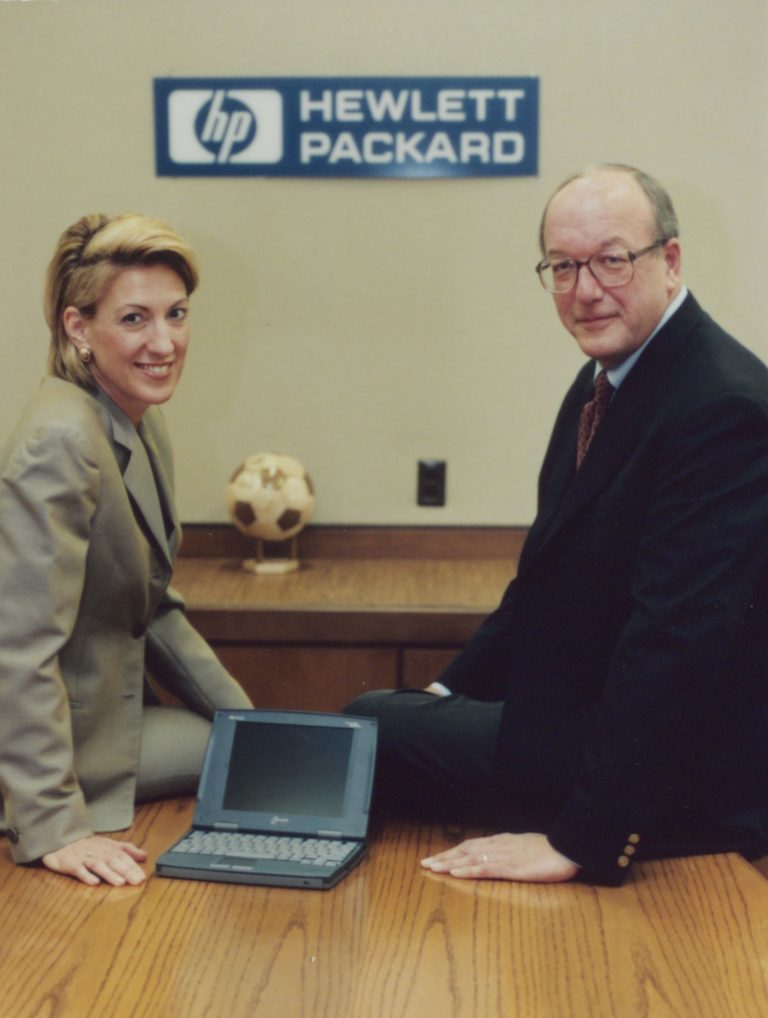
623	861
633	839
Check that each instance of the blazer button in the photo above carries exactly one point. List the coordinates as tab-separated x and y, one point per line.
633	839
623	861
138	631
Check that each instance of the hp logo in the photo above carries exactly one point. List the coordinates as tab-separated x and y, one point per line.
232	126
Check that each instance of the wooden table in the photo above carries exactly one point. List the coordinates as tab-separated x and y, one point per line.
685	938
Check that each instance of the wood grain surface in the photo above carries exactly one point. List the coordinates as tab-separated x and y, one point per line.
685	938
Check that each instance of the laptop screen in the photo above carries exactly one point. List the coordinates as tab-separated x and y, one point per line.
288	769
294	772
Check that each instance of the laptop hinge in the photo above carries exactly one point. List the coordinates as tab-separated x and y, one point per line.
329	834
226	827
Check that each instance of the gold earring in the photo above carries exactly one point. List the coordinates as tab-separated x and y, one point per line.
86	354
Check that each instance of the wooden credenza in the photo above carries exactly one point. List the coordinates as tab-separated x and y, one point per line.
371	608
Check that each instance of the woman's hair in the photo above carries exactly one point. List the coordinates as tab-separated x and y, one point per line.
86	259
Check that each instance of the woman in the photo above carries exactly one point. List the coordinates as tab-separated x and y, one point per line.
88	533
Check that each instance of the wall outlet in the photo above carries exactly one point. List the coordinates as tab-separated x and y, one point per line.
430	485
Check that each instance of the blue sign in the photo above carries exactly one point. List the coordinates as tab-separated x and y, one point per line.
347	127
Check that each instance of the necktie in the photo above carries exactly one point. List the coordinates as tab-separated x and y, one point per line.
591	415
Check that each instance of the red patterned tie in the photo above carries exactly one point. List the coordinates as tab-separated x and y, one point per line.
592	414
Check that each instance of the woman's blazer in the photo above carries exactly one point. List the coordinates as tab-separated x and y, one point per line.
88	533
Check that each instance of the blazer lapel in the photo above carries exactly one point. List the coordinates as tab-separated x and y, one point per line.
145	484
141	485
558	471
163	487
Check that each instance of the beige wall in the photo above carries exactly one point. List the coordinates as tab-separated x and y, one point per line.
361	325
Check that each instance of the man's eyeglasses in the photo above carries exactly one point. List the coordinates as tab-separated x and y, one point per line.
614	267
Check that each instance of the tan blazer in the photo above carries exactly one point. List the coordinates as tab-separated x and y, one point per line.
88	533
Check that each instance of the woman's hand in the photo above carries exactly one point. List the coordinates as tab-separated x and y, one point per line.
528	857
96	859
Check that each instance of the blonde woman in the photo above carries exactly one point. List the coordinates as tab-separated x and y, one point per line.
88	535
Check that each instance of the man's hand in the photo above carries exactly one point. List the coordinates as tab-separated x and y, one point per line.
96	859
525	857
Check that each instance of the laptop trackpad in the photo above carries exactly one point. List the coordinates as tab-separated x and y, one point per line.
230	862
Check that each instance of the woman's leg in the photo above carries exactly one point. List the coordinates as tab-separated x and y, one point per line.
173	741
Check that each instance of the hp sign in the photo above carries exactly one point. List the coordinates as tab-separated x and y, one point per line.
235	126
347	127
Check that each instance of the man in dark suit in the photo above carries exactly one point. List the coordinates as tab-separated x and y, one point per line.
615	706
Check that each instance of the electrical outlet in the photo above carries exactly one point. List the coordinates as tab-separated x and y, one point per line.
430	486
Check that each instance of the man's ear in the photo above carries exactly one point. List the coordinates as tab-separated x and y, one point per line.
673	257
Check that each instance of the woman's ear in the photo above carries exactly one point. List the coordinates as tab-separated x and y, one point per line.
75	326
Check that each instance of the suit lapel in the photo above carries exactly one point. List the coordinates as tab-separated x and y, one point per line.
564	490
558	471
144	480
140	483
163	487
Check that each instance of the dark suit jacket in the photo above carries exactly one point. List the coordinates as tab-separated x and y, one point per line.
632	650
88	533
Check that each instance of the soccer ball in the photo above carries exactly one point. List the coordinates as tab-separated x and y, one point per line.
270	497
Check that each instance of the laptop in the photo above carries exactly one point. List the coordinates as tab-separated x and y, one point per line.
284	799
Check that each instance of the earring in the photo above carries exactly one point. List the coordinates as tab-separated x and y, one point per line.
86	354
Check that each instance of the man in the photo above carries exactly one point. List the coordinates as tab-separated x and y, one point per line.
615	706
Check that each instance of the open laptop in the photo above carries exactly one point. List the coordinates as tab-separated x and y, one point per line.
284	799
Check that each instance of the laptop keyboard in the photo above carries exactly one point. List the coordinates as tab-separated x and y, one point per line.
309	851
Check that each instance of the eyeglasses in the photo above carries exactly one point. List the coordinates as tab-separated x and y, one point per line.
614	267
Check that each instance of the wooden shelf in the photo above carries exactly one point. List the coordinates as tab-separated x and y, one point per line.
370	608
353	601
